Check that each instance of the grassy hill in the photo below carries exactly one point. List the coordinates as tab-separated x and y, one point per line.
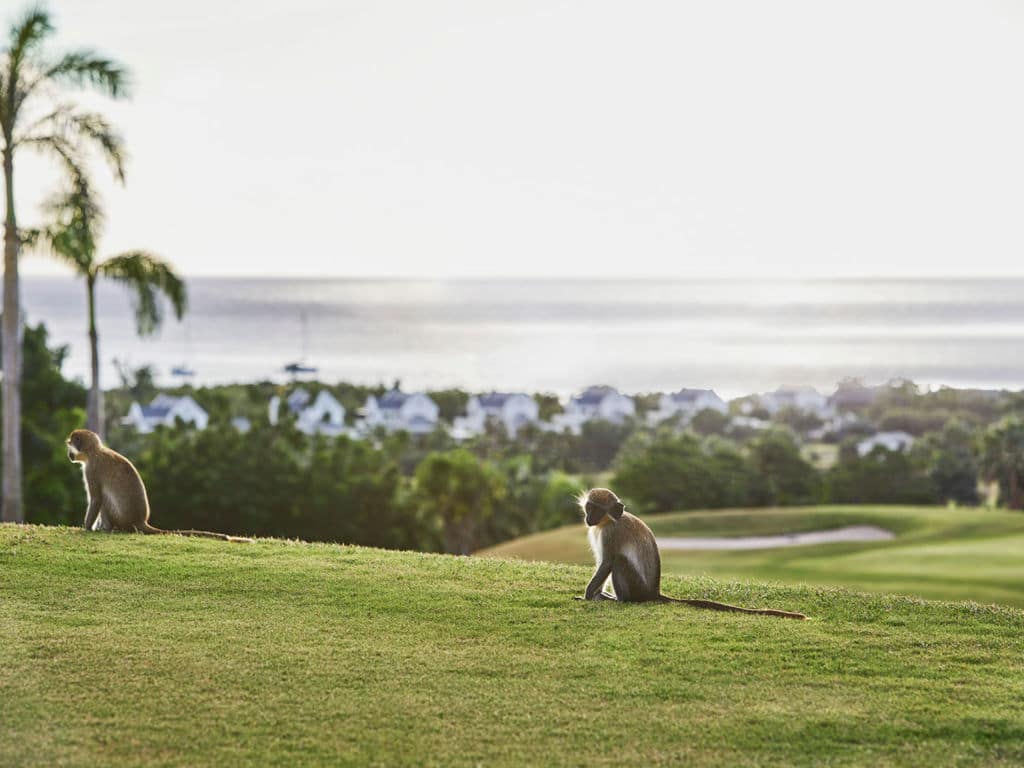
938	553
129	650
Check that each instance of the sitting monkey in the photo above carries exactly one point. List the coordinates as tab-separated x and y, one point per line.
625	549
117	495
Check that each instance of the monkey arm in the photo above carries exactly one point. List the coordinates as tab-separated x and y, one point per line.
604	570
91	512
95	492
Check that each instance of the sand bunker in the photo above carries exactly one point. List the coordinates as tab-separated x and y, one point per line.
848	533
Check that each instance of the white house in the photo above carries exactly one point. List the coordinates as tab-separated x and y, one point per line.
397	411
891	441
805	399
322	415
513	410
686	403
166	411
593	404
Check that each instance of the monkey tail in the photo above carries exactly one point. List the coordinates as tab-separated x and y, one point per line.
212	535
152	529
712	605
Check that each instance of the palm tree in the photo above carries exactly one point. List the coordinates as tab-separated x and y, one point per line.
1002	459
77	220
31	117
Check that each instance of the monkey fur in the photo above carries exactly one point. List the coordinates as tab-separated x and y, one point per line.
117	495
625	549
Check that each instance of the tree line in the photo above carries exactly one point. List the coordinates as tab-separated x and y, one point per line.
432	494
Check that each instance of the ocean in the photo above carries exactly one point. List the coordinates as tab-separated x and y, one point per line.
735	336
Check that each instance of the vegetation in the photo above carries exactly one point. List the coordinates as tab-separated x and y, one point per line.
432	493
33	115
1002	459
72	236
938	552
53	407
131	650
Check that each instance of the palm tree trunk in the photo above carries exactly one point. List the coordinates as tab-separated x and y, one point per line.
94	419
11	511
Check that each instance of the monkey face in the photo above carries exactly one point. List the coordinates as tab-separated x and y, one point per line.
599	503
79	443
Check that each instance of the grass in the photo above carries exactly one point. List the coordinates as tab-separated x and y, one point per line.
131	650
938	553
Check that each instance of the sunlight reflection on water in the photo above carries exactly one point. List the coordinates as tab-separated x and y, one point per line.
735	336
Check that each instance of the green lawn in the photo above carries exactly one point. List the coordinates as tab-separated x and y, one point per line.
938	553
131	650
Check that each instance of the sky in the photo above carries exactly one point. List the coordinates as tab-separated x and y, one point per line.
584	138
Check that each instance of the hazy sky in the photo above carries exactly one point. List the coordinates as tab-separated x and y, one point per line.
586	138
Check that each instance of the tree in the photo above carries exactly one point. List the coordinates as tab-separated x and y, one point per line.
52	408
31	118
788	478
598	443
708	421
548	404
1002	459
72	235
461	492
880	477
798	420
952	464
671	472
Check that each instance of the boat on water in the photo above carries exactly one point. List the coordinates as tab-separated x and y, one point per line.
296	369
300	367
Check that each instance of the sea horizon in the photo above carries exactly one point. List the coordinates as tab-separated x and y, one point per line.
737	336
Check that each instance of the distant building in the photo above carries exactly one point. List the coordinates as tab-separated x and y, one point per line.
891	441
593	404
806	399
395	411
165	411
513	410
686	403
322	415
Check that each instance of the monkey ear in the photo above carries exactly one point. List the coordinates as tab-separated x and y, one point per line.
617	509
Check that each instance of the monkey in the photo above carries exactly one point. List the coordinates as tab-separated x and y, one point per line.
625	549
116	493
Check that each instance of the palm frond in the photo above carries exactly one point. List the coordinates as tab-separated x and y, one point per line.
86	67
25	34
152	279
70	129
68	153
96	128
46	122
65	246
30	236
76	220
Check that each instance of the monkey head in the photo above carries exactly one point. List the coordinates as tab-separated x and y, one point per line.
597	503
80	444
